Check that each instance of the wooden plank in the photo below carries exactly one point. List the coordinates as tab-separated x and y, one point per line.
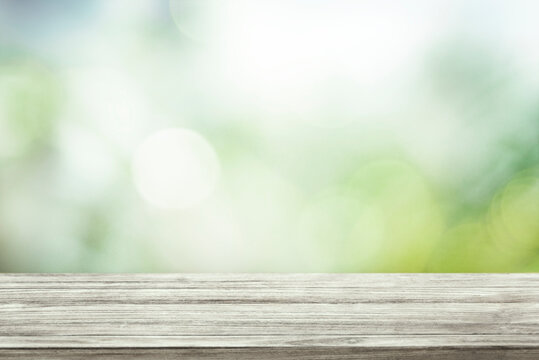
282	316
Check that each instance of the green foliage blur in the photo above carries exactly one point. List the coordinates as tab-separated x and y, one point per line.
384	138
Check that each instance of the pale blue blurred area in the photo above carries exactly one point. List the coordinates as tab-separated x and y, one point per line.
258	135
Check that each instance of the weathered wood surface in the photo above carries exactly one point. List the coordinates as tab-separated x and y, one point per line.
269	316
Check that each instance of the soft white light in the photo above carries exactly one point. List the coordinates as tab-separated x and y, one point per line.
175	169
324	63
89	166
107	99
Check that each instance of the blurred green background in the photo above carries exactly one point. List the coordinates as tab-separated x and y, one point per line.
269	135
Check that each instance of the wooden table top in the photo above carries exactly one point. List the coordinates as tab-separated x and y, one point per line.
269	316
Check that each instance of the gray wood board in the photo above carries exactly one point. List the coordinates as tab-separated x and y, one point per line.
282	316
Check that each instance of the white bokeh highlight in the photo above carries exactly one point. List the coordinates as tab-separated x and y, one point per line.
175	169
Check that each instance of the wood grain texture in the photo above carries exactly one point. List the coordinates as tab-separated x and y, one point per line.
277	316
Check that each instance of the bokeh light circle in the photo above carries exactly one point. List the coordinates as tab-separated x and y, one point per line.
197	19
514	215
175	169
